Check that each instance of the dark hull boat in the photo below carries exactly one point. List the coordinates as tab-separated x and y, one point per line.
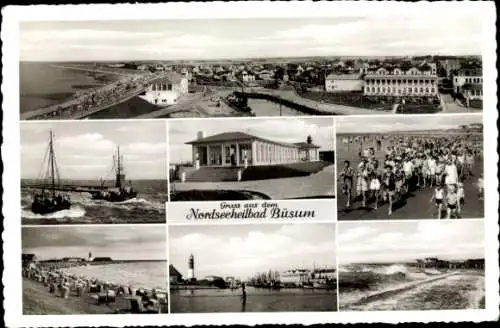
47	200
47	206
120	192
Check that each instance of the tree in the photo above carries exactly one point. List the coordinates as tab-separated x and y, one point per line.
309	139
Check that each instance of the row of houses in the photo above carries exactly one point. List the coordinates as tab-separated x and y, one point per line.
417	81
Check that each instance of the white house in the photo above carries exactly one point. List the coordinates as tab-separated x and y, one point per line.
397	82
467	76
166	90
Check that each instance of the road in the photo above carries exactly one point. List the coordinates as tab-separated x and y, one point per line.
417	206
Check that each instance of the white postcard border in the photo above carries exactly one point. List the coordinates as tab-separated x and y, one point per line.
10	149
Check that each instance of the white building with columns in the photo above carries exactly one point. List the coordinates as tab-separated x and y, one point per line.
241	149
167	89
417	82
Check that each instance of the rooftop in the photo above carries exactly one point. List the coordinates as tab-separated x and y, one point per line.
355	76
242	136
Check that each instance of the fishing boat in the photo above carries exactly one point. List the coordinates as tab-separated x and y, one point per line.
120	192
47	200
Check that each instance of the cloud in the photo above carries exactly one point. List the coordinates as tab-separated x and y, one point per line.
181	39
406	241
403	123
244	250
277	129
85	150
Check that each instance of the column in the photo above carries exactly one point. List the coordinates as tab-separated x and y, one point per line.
223	155
209	162
237	154
254	152
196	157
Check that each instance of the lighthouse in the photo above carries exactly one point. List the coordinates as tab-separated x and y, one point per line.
191	267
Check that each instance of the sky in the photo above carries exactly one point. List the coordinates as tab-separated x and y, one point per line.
118	242
84	149
244	38
404	123
288	130
244	250
362	242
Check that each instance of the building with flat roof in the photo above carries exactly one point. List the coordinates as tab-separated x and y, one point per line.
467	77
166	90
344	82
417	82
243	149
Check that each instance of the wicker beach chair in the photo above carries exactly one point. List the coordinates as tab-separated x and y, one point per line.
136	305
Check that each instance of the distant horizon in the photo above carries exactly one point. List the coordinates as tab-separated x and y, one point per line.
254	58
250	38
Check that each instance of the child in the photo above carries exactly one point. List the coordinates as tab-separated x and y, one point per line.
389	186
480	187
437	197
461	194
452	202
347	176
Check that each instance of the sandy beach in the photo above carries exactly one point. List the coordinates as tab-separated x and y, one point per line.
38	298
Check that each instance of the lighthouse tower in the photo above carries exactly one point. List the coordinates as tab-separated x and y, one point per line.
191	267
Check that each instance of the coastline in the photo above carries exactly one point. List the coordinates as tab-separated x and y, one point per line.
53	291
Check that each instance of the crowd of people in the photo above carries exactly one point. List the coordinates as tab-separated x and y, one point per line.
90	99
64	285
410	163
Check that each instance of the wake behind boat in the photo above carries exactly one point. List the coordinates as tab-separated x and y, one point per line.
47	200
121	192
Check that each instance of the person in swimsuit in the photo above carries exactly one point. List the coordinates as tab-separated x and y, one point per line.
347	177
453	206
437	197
480	187
461	194
374	178
362	183
389	186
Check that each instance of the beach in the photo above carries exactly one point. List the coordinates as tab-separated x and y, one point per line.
49	289
398	287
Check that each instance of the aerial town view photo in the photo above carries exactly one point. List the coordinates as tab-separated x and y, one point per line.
418	167
104	269
92	172
249	67
253	268
244	159
411	265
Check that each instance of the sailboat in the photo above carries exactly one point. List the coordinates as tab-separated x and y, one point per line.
48	200
120	192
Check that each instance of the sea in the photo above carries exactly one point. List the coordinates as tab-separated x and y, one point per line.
258	300
45	84
141	274
147	207
377	287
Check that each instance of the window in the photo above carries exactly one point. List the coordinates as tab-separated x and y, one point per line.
421	90
410	90
426	90
426	81
394	90
373	89
383	89
432	90
399	91
169	87
416	90
378	89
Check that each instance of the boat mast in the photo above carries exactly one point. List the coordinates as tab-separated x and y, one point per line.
51	163
119	170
